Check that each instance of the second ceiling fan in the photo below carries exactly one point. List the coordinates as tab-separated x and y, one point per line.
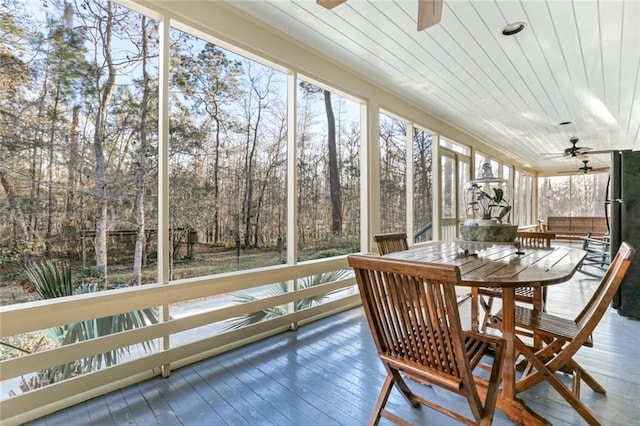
429	11
586	168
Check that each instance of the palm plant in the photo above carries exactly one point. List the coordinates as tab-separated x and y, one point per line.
53	279
280	288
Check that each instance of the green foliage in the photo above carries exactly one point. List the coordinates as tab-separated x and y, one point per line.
53	279
280	288
489	206
50	279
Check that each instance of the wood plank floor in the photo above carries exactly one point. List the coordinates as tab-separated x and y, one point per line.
328	373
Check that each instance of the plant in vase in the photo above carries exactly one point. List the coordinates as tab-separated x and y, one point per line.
490	208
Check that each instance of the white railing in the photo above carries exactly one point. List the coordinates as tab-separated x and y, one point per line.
41	315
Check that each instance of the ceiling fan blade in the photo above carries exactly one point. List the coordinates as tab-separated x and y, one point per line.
330	4
429	13
607	151
581	170
556	156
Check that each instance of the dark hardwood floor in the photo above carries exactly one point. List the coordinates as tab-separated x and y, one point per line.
328	373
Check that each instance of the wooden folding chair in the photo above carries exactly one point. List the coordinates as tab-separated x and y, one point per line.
536	296
412	312
563	338
389	243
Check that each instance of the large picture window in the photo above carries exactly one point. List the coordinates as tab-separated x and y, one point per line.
575	195
422	185
78	94
523	199
393	172
328	167
227	159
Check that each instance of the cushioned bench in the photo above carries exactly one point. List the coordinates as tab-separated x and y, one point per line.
576	227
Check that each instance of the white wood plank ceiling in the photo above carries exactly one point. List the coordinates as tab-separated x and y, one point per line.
575	61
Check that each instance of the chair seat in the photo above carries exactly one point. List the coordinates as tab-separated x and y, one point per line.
476	346
545	323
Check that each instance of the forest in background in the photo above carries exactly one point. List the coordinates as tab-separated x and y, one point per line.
79	146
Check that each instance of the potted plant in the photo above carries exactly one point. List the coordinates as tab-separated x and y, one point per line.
489	208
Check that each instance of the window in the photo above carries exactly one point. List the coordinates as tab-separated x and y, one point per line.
328	145
575	195
523	199
79	180
455	146
228	159
422	185
393	169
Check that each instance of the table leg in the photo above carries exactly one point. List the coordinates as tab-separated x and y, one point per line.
475	300
508	332
507	402
538	304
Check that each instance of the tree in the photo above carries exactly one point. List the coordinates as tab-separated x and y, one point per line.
65	68
210	83
100	21
334	176
139	216
15	139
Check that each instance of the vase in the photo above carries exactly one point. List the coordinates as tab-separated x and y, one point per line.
487	222
490	233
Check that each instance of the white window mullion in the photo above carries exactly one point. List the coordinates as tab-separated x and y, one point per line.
164	245
409	183
292	181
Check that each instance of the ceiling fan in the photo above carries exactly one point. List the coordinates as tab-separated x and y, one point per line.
429	11
586	168
573	151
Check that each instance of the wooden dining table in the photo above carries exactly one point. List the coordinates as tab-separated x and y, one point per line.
508	267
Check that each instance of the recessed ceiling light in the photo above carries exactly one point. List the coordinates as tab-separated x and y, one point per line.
564	123
513	28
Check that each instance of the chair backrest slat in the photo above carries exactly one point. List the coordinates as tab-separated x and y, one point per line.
535	239
390	243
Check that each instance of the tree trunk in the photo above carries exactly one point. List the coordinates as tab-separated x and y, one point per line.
72	166
98	140
50	201
142	163
252	144
216	186
334	177
16	213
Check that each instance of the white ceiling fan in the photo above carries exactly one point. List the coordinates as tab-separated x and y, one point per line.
429	11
